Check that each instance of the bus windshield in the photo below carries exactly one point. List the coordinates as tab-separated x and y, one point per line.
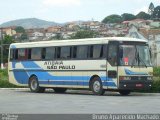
134	55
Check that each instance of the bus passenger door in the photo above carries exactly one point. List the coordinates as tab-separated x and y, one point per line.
112	65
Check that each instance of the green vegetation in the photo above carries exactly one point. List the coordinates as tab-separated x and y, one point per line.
128	16
153	13
143	15
20	29
4	83
113	19
7	40
85	34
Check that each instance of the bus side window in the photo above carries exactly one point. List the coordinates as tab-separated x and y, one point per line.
112	54
82	52
22	54
50	53
36	53
65	52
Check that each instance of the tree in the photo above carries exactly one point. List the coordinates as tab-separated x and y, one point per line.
24	36
85	34
143	15
151	9
112	19
7	40
20	29
156	13
58	37
127	16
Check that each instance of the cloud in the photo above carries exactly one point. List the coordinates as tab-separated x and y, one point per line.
61	3
144	9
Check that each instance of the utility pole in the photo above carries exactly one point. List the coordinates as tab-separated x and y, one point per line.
2	67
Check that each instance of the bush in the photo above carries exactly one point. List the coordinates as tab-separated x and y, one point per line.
156	71
4	83
156	85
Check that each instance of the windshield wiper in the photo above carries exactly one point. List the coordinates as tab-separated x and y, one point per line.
135	59
140	59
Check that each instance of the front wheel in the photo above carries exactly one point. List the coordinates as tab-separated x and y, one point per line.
96	86
34	85
125	92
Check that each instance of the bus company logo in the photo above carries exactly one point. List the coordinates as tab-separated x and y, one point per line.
58	65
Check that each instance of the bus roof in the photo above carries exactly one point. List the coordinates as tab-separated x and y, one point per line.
74	42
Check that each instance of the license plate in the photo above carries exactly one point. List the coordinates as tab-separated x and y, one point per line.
139	85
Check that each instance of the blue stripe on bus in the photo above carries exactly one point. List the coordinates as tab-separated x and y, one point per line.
23	76
129	72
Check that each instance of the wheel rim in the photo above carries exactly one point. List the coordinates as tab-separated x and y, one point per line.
34	84
96	86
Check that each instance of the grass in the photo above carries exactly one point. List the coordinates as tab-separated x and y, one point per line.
4	83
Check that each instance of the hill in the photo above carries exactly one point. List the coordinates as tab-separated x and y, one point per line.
29	23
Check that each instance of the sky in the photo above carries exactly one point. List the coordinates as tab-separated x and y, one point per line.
62	11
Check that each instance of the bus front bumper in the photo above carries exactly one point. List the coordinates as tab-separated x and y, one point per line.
135	84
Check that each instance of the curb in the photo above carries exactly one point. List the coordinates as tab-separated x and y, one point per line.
14	88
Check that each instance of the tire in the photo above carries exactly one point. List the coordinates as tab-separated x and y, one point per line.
59	90
34	85
96	86
125	92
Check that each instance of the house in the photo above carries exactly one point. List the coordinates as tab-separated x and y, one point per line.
92	25
68	34
9	31
153	37
134	33
54	29
155	24
139	23
36	36
50	35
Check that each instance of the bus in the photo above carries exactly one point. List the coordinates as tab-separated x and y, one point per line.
118	64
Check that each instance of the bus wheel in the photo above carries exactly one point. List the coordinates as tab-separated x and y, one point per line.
59	90
96	86
125	92
34	85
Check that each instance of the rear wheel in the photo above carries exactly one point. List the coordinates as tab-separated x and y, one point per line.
34	85
96	86
60	90
125	92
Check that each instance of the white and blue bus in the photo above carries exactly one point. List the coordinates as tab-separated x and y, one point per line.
99	64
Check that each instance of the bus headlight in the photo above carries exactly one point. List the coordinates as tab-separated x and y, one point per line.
124	78
149	78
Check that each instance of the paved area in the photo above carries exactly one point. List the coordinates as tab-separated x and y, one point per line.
23	101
